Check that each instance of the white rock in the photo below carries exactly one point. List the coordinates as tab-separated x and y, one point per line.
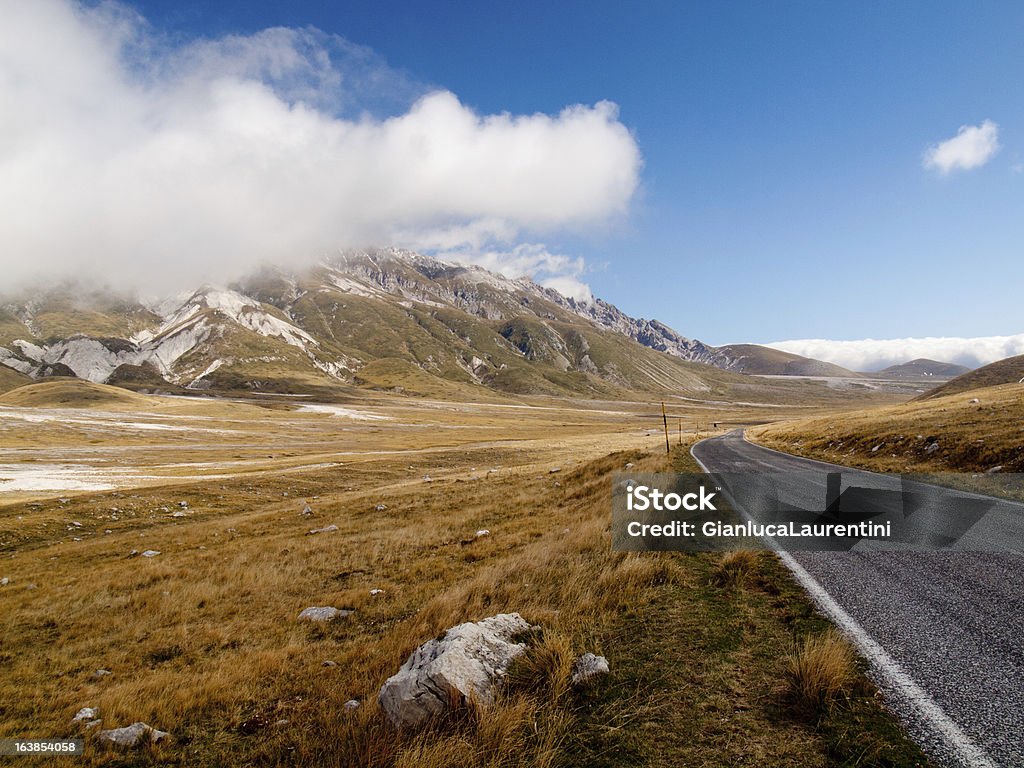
5	581
307	511
178	513
323	613
133	735
325	529
482	532
329	663
351	704
86	713
426	479
101	673
973	401
151	553
381	507
554	469
587	667
931	449
994	470
375	592
468	662
629	465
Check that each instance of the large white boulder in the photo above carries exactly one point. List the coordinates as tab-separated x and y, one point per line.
133	735
468	663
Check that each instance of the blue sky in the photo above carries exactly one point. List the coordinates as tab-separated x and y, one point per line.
782	193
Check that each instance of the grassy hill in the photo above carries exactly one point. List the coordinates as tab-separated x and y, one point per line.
1010	370
755	359
966	432
71	393
922	368
11	379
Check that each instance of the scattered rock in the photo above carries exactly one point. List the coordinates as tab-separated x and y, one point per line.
973	401
482	532
587	667
426	479
325	529
329	663
86	713
324	613
553	470
306	511
183	504
151	553
178	513
351	704
994	470
469	661
375	592
133	735
629	465
381	507
875	449
101	673
5	581
932	448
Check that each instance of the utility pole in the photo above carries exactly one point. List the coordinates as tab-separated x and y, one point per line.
664	418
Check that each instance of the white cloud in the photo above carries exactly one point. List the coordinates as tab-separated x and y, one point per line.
972	147
875	354
128	159
556	271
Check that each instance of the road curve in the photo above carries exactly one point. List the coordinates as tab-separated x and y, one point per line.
944	631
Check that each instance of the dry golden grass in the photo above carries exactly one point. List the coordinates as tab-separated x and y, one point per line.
735	567
974	431
202	640
817	672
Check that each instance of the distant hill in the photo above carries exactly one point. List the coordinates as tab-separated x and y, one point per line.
1007	371
922	368
11	379
755	359
70	393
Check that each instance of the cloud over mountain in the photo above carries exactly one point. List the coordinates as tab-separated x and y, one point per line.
876	354
133	159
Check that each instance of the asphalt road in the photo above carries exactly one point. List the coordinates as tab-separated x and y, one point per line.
943	631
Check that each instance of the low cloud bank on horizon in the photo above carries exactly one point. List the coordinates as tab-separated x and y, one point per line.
876	354
141	162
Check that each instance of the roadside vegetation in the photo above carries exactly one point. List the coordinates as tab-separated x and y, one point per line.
976	431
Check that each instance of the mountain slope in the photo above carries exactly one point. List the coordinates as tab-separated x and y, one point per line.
755	359
922	368
1007	371
377	318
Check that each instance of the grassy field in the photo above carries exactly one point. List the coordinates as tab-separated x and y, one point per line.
972	431
716	660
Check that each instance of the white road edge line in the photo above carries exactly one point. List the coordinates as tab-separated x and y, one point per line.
901	683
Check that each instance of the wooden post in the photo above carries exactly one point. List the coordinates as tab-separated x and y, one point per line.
664	418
